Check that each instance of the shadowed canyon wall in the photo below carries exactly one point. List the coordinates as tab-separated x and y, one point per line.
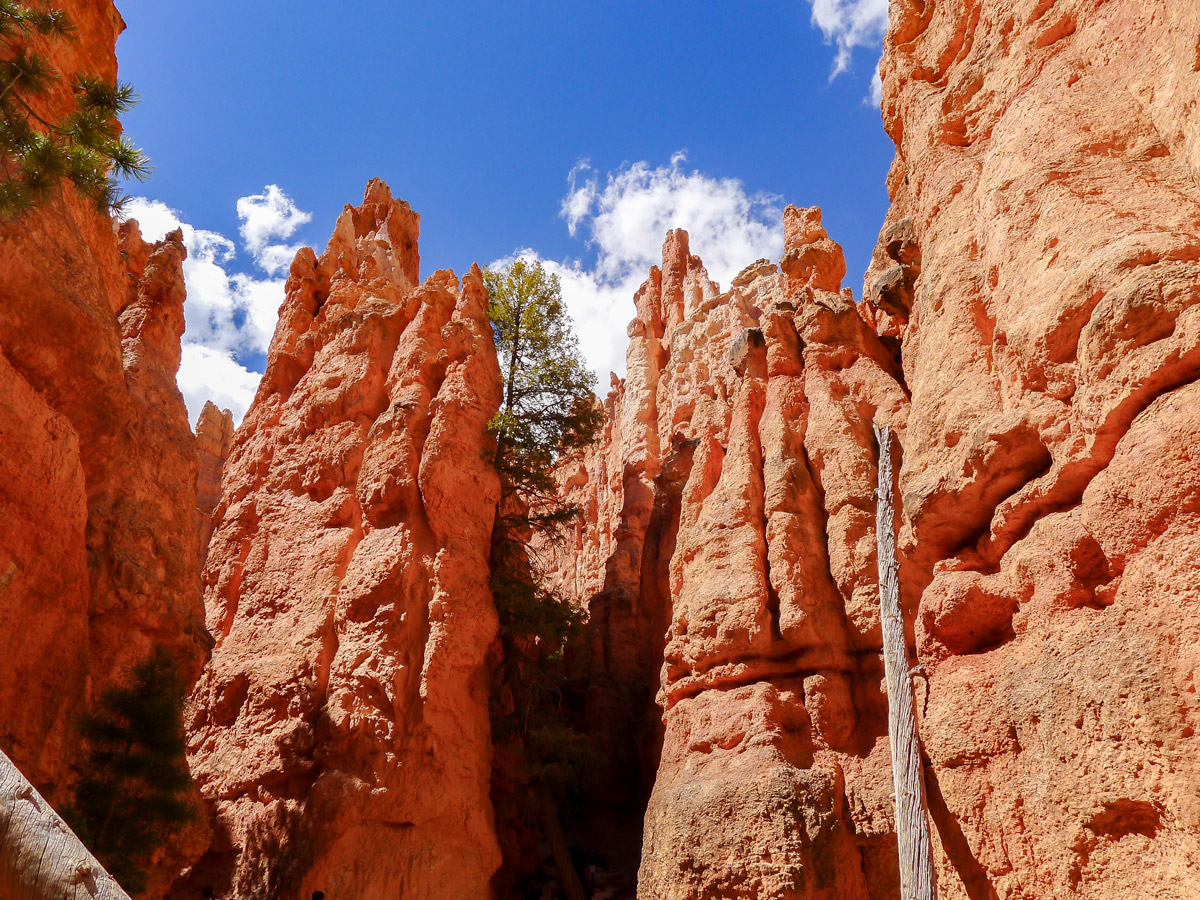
340	733
98	475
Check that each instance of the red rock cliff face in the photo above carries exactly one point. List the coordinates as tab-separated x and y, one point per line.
1036	288
729	530
214	436
97	559
341	734
1047	162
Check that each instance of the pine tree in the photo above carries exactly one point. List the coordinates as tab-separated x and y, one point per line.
84	147
135	775
549	403
549	409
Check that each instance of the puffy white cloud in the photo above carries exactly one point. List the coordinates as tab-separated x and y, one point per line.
625	217
230	316
628	215
848	24
271	214
210	374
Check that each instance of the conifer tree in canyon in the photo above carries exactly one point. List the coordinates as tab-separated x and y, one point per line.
40	148
548	409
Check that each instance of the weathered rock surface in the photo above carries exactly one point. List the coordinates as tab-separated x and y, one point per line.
1030	328
97	554
214	437
1035	288
1041	265
43	581
341	734
727	558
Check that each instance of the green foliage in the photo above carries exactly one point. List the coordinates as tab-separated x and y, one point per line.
549	409
531	714
135	776
84	147
549	406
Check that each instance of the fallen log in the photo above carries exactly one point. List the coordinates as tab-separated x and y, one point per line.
40	857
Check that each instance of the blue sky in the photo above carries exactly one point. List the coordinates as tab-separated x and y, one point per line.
578	132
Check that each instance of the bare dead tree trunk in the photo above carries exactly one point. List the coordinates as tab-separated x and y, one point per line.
558	842
40	857
917	880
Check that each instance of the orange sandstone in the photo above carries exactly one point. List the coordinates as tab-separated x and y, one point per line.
728	528
1046	178
214	435
97	479
340	734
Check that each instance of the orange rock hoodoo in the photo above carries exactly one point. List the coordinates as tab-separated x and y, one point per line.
214	435
341	734
728	542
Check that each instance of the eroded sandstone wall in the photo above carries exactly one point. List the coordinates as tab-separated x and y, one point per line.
97	559
340	734
214	437
1047	161
726	556
1035	289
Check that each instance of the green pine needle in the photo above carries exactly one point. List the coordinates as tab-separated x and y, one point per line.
84	148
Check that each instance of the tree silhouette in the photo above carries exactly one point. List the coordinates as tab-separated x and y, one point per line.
135	775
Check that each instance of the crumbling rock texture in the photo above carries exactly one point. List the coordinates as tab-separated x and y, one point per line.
1041	266
1034	293
1030	328
214	436
340	734
726	554
97	478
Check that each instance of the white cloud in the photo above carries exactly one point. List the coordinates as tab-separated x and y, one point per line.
876	97
228	315
271	214
849	24
210	374
625	218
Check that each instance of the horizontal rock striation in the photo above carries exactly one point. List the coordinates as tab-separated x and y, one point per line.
1041	267
340	734
727	557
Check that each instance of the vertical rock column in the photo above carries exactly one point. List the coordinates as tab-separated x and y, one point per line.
774	775
97	560
341	733
214	436
747	573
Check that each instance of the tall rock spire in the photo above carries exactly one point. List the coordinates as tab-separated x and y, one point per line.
341	736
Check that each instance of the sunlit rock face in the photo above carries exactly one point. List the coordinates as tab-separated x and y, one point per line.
1041	271
214	435
1030	329
340	733
98	544
726	554
1034	293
